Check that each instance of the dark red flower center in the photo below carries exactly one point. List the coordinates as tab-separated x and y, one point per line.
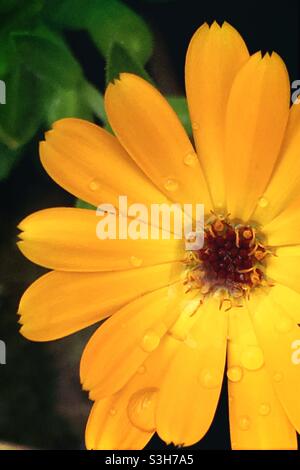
232	259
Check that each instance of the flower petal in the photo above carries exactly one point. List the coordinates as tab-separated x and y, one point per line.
65	239
257	115
257	419
288	299
125	340
191	388
285	228
87	161
126	419
284	268
279	337
214	56
285	182
60	303
110	429
152	134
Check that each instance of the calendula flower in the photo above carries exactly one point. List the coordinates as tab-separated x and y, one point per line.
157	364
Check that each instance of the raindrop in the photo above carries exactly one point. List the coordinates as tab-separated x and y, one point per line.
244	423
135	261
264	409
263	202
278	376
113	411
141	409
190	159
195	126
171	185
150	341
210	378
235	374
94	185
252	358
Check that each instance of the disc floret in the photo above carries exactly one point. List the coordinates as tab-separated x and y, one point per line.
231	262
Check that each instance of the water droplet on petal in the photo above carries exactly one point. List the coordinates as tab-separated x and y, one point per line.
195	126
94	185
263	202
135	261
113	411
264	409
278	377
252	358
210	378
190	159
171	185
284	324
244	423
150	341
235	373
141	409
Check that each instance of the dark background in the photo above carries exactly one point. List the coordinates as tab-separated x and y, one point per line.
41	404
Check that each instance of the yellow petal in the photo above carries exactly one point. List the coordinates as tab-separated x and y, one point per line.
126	420
152	134
279	337
60	303
257	114
191	388
214	56
65	239
285	182
285	228
87	161
257	419
284	268
126	339
287	298
108	427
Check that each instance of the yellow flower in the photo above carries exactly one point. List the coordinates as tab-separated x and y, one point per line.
157	363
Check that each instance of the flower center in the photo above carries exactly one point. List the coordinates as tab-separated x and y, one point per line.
232	261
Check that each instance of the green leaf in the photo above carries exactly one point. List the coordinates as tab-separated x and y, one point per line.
179	104
116	22
72	14
8	158
67	103
48	58
107	21
17	14
84	205
26	100
94	100
82	102
119	60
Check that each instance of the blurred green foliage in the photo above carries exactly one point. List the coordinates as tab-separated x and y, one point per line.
45	82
